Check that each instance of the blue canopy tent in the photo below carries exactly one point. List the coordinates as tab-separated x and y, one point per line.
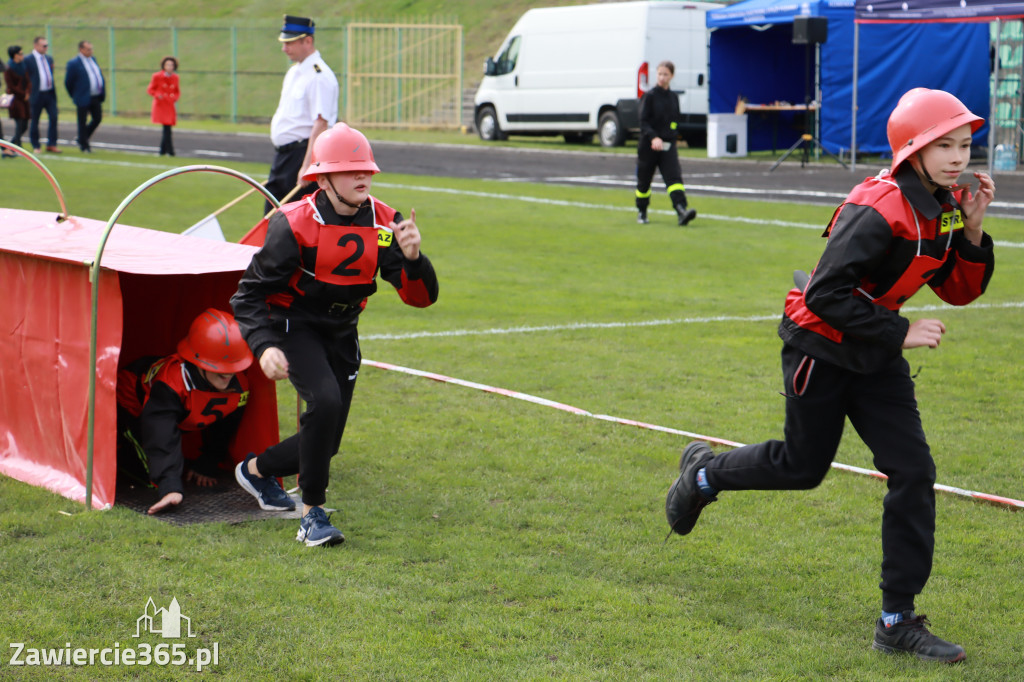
752	54
875	12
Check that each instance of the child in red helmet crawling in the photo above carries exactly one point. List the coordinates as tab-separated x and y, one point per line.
199	388
842	355
298	305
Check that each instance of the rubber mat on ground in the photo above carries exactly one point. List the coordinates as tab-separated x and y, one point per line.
225	502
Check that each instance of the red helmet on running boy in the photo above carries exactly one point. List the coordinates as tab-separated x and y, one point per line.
338	149
215	343
922	116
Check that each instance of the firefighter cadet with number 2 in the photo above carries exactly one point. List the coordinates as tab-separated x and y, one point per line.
298	304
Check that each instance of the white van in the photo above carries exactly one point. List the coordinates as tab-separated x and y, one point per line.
581	69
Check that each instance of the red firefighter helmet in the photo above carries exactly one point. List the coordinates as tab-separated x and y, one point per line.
340	148
215	343
922	116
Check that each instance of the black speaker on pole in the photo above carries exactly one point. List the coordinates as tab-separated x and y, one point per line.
810	30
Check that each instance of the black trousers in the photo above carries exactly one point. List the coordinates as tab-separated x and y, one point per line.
882	408
43	101
284	174
166	143
20	126
323	367
86	127
666	161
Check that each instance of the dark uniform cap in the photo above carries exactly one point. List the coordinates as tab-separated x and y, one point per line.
295	28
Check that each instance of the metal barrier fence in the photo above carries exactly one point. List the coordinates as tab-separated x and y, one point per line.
401	75
390	75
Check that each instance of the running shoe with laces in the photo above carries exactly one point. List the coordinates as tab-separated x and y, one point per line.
685	500
911	636
315	529
267	491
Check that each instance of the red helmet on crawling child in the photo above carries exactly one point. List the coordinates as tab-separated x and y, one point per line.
340	148
215	343
922	116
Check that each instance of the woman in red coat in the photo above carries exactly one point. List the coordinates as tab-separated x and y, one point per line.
163	87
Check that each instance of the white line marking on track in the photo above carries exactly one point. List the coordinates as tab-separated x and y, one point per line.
575	326
624	209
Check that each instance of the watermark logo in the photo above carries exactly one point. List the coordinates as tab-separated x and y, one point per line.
167	622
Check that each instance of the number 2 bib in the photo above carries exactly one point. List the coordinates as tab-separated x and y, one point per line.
346	255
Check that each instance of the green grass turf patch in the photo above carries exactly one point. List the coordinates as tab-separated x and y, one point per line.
490	538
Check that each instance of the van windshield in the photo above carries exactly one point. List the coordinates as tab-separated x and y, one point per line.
506	61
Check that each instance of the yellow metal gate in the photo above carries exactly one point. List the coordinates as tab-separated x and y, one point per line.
403	75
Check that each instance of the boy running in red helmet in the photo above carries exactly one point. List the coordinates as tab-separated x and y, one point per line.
299	301
199	388
842	355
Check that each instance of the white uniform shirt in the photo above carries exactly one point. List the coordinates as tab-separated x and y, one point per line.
310	90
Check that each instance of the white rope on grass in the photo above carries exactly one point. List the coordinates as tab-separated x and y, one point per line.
508	393
576	326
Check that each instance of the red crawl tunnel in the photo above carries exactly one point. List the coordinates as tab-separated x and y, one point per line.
150	285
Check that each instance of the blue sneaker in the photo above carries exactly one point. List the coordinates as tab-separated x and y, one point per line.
267	491
315	529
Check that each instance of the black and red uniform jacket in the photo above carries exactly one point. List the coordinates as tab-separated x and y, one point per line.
169	395
887	240
318	268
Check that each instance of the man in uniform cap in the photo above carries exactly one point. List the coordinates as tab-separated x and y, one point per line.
308	107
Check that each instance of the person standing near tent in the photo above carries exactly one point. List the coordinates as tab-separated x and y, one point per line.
656	148
308	106
842	355
199	388
299	302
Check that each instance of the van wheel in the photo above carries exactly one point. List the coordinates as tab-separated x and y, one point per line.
487	125
609	129
578	138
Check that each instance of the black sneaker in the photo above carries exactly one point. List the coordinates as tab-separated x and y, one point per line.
685	215
641	217
911	636
685	500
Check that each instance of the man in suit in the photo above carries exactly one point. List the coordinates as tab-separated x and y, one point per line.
43	95
84	82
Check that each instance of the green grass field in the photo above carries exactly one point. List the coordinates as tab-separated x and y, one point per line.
495	539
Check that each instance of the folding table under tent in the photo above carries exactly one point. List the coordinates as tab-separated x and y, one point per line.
752	54
151	286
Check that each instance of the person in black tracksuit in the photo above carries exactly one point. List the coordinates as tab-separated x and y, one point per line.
843	334
656	148
299	302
